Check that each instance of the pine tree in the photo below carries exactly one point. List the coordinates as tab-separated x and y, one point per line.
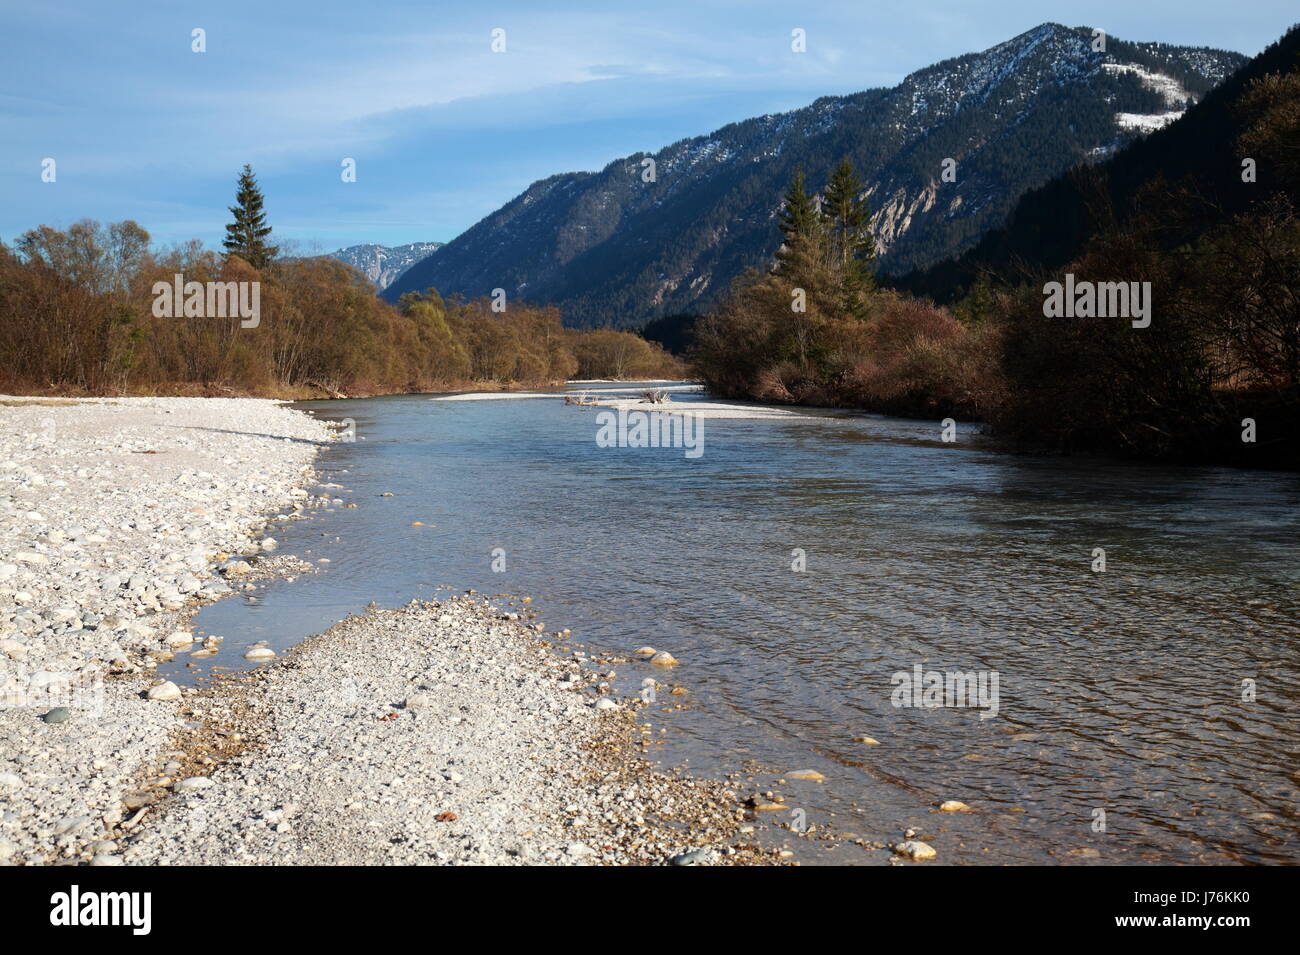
850	247
800	224
246	236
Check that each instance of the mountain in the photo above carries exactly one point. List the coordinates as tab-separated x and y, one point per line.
384	264
610	248
1200	216
1049	226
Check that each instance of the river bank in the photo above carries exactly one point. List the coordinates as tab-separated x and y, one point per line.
304	392
118	519
446	732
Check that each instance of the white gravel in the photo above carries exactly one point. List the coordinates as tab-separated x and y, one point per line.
112	513
435	734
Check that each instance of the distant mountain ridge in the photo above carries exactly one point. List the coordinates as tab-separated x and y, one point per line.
610	248
384	264
1053	223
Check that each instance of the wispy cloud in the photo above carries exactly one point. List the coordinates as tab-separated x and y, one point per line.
444	130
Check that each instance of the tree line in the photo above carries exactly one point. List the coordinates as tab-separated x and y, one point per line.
77	316
1215	377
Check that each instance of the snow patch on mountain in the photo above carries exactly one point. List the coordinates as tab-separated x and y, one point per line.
1170	90
1168	87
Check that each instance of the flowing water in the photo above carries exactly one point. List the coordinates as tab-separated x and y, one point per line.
1146	711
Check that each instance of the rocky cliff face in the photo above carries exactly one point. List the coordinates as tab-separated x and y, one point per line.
384	264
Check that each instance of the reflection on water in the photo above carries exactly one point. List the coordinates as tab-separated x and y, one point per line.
1120	692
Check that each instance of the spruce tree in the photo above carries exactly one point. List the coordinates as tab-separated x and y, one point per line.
850	246
246	236
800	224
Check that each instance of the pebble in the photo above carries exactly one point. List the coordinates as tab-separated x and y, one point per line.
260	653
916	851
663	659
809	774
70	824
695	857
165	691
954	805
59	714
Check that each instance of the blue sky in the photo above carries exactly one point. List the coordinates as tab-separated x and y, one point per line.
443	130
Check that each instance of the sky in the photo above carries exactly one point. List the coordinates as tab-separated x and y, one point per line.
442	128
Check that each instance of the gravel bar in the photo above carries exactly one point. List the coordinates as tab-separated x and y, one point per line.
441	733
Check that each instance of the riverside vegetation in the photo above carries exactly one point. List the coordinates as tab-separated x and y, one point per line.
76	318
1215	378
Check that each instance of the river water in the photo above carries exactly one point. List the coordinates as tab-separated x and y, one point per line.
1144	714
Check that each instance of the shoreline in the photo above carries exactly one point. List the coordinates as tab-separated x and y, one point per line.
116	519
120	517
443	732
64	396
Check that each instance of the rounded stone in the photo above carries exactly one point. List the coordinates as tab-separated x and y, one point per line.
916	851
809	774
165	691
694	857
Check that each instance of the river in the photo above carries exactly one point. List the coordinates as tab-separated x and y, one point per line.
1144	713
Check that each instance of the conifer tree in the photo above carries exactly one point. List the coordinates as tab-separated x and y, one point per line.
246	236
800	224
850	247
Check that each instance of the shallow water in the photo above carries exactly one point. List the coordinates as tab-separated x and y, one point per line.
1118	692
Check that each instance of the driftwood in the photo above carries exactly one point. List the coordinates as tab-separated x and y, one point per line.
332	392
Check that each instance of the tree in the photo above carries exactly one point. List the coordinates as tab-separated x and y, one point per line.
800	224
849	244
246	236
